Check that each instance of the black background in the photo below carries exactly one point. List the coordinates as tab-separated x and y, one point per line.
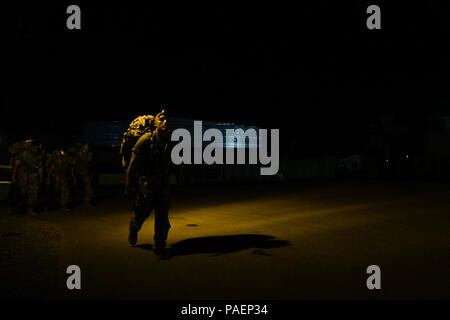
312	69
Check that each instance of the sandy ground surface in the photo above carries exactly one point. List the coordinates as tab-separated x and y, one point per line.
278	241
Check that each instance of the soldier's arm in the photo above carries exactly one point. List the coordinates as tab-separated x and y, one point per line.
130	170
173	168
141	145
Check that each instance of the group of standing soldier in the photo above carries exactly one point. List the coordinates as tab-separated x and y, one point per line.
39	178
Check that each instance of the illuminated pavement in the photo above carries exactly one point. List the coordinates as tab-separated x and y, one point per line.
267	242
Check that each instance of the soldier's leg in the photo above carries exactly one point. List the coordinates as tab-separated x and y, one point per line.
22	192
32	194
140	213
45	194
64	194
13	199
88	193
162	224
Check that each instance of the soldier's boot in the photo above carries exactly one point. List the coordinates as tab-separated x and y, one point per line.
138	218
88	192
31	212
65	207
66	210
132	233
161	250
162	227
160	241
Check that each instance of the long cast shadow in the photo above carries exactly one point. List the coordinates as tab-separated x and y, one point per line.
219	245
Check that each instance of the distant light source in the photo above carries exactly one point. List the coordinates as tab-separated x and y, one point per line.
407	156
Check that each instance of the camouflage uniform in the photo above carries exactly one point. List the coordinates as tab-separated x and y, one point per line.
15	150
82	158
59	173
28	176
149	175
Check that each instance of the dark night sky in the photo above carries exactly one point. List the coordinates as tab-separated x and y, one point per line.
314	68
